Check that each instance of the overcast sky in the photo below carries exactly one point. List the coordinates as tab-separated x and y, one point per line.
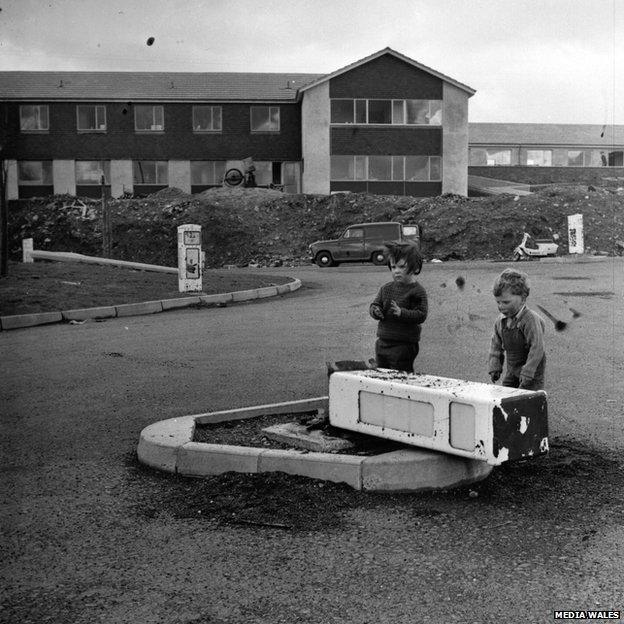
548	61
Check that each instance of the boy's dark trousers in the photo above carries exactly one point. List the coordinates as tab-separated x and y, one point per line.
396	355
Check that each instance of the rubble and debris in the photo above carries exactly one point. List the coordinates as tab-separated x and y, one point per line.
270	228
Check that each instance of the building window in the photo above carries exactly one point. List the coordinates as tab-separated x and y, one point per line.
207	118
34	118
34	172
396	112
150	172
489	157
348	168
539	158
263	173
379	111
265	119
149	118
396	168
92	118
207	172
90	172
342	111
616	159
576	158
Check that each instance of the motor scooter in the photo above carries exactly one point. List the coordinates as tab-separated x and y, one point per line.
531	248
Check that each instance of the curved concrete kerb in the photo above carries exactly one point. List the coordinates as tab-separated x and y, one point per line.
168	445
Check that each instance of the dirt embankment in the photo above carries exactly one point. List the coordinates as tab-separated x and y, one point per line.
267	227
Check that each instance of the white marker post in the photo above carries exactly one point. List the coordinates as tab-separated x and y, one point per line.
576	244
189	258
27	250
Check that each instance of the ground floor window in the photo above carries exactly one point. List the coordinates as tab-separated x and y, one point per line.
539	158
150	172
90	172
207	172
615	159
386	168
489	157
263	172
34	172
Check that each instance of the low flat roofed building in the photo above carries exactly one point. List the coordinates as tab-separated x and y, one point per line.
545	145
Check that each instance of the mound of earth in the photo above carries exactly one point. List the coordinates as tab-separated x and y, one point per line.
267	227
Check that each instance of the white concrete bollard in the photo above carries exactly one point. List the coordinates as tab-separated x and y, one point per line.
576	240
190	258
470	419
27	250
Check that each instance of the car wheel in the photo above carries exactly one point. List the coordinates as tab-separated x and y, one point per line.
517	256
378	258
324	259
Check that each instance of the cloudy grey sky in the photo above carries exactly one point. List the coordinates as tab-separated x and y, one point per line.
550	61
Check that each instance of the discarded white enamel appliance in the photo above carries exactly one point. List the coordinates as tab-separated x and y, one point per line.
470	419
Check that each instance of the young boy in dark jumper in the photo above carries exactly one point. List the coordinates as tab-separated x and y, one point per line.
400	307
518	335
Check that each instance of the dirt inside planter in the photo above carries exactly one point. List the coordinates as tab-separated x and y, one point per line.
248	432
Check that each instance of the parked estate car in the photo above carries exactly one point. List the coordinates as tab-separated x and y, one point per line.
363	242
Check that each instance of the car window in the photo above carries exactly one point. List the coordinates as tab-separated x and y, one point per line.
385	231
354	233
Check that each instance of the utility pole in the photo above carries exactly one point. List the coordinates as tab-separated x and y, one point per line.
4	220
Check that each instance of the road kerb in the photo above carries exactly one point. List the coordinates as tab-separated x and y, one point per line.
135	309
197	459
183	302
89	313
18	321
407	470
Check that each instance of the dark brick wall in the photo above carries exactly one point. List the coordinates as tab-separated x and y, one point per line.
361	140
549	175
386	77
177	141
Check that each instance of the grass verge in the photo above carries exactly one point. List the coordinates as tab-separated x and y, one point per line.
51	286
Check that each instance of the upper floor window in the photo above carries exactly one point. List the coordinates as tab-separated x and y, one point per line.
390	168
150	172
90	172
34	172
206	118
205	172
34	118
91	117
539	158
265	119
149	118
390	112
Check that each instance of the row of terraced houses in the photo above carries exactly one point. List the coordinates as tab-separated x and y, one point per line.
384	124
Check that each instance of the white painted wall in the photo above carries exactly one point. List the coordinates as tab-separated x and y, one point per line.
180	175
12	190
121	177
64	177
454	140
315	140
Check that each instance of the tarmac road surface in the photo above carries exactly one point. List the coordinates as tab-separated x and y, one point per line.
89	536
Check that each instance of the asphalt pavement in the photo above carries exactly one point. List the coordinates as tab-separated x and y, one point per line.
89	536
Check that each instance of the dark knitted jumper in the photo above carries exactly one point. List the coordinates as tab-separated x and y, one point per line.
412	299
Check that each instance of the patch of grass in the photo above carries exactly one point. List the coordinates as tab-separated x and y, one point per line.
51	286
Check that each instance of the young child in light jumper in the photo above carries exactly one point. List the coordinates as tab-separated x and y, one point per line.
518	335
400	307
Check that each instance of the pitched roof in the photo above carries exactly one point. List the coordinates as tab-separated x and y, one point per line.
398	55
148	86
545	134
